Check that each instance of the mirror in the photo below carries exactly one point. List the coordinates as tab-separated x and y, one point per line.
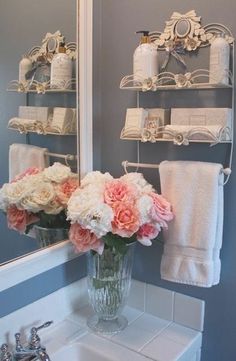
182	28
15	41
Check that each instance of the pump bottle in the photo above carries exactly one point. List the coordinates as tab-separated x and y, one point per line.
61	69
145	59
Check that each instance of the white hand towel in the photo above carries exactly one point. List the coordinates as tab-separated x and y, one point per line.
194	238
24	156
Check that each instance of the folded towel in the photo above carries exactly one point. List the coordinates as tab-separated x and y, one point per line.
194	132
24	156
194	238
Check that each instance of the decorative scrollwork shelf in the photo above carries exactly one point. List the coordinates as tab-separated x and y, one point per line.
183	34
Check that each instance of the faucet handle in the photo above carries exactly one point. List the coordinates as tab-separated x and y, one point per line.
34	338
19	346
5	354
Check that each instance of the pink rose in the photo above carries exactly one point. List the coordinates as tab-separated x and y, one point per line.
65	190
161	210
19	219
29	171
84	240
118	191
147	232
126	219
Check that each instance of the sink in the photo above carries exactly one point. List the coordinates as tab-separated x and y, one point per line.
78	352
92	347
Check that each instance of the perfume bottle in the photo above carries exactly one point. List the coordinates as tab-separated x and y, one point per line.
61	69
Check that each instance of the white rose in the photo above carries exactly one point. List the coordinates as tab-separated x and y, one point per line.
39	198
53	207
57	173
144	205
138	180
96	217
13	193
3	200
95	178
87	208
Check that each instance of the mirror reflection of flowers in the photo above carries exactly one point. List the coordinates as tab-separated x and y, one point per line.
38	197
111	212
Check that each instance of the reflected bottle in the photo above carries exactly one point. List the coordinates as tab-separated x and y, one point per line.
219	60
61	69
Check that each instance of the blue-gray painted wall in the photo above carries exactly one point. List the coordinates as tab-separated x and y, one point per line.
120	19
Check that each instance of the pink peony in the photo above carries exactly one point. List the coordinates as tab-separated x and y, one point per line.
19	219
161	210
126	219
118	191
84	240
29	171
65	190
147	232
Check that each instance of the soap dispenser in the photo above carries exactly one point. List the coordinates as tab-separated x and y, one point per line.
145	59
61	69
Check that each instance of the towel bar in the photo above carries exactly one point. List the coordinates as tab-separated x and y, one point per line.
126	164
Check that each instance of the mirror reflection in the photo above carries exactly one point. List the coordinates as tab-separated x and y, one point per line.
38	126
182	28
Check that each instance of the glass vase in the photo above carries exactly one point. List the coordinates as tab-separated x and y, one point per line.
49	236
109	279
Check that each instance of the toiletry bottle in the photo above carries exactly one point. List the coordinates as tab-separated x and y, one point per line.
219	60
25	65
145	59
61	69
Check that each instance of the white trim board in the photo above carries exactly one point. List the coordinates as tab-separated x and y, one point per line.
33	264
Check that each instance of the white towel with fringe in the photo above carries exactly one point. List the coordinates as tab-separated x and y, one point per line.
24	156
194	238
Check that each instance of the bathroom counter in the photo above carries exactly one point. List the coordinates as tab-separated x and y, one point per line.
163	325
145	337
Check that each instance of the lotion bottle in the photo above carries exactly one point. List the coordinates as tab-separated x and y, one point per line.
61	69
25	66
219	60
145	59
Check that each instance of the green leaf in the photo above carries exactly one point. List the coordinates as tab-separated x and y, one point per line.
119	244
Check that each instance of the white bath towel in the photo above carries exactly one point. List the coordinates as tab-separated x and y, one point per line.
24	156
194	238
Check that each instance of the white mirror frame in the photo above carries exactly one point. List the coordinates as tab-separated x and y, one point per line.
38	262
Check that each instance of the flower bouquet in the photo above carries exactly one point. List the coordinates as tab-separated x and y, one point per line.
107	217
38	198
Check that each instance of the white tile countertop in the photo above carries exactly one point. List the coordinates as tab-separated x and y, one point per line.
156	331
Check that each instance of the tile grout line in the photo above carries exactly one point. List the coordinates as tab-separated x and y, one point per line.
155	336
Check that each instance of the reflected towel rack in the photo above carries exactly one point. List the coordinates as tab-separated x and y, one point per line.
126	164
66	157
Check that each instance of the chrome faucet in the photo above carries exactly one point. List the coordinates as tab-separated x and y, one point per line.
34	350
5	353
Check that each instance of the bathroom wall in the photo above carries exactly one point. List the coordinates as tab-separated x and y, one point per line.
34	20
119	21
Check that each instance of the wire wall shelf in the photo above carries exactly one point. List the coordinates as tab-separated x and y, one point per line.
25	126
41	88
183	34
194	135
198	79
